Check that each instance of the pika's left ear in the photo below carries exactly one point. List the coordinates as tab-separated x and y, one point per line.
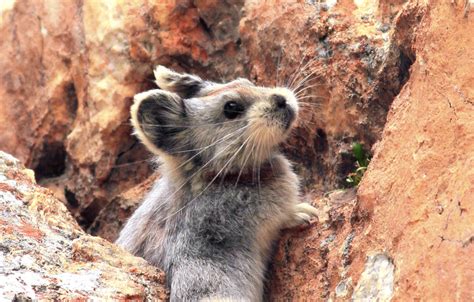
183	84
159	118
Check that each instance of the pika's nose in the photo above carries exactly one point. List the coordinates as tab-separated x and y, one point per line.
279	101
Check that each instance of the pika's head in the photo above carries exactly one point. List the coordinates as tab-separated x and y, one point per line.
211	126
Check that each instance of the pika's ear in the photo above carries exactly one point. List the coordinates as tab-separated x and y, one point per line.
159	117
183	84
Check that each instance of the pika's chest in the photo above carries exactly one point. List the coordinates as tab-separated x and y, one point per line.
235	217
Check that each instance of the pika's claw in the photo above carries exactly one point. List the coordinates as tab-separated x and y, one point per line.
307	209
303	213
303	218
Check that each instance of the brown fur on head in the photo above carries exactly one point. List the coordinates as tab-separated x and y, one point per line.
214	127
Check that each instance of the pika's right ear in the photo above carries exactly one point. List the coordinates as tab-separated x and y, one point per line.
183	84
159	117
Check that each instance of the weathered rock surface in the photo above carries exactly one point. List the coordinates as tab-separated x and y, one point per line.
111	219
310	261
44	254
419	189
408	234
71	68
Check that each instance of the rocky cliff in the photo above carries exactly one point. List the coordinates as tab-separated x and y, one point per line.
395	76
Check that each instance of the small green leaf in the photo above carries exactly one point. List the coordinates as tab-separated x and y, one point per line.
358	152
362	161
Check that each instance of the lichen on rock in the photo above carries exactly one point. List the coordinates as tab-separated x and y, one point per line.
377	280
45	255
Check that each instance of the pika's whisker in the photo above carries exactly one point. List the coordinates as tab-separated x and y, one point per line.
194	126
294	73
309	77
312	96
184	183
210	183
244	165
300	71
301	92
308	80
225	138
131	163
278	68
317	105
301	79
210	145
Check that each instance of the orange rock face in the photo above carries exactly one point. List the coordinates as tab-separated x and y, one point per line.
419	188
408	235
311	262
68	72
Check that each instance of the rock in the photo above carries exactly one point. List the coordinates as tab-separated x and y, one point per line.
72	70
350	69
311	261
419	186
44	254
69	70
376	281
408	233
112	217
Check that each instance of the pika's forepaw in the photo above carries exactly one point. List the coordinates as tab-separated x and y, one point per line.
302	215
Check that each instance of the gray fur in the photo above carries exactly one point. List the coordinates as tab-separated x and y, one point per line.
213	237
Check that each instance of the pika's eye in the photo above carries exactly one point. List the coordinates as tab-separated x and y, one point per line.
233	109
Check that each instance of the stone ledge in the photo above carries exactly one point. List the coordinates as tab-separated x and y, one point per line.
45	255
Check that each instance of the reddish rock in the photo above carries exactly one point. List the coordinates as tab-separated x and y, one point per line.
113	216
311	261
353	69
409	233
419	187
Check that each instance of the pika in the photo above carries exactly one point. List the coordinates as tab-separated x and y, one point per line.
225	190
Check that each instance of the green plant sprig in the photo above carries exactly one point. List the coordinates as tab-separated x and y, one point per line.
362	161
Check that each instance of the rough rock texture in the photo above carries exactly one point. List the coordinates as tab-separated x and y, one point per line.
72	67
111	219
409	233
310	261
44	254
350	70
419	188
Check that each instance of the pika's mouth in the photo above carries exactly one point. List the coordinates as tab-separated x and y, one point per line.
283	111
288	118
